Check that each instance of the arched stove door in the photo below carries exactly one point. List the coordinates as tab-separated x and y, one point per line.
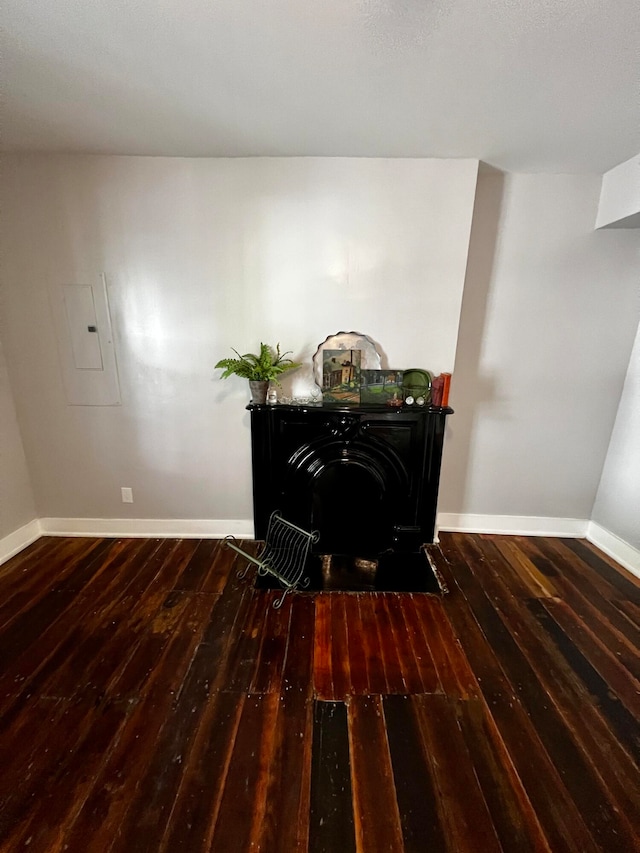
351	487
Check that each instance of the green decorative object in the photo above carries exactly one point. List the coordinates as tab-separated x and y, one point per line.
416	386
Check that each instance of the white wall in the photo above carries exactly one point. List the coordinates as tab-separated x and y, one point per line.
200	256
549	314
17	506
617	505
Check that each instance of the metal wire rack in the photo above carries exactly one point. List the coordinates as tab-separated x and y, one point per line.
284	554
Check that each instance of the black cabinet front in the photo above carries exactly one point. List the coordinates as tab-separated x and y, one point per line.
365	478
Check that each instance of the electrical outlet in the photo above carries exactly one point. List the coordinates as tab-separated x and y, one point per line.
127	495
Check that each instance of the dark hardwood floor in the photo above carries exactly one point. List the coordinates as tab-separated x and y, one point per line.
150	701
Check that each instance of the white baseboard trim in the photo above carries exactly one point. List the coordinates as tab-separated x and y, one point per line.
187	528
621	551
13	543
169	528
513	525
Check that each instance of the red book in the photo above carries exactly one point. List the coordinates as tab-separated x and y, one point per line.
446	379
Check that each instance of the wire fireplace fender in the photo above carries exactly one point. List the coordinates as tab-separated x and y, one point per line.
365	477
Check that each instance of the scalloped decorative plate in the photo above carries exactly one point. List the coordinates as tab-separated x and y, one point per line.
369	355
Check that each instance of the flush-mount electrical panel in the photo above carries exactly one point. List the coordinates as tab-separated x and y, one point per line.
85	343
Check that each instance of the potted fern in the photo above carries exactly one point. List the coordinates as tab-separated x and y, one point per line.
260	369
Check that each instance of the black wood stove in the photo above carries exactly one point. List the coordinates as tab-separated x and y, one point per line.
365	477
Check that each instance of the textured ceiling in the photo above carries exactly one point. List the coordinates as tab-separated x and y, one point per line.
525	85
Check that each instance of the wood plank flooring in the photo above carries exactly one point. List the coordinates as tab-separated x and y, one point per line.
151	701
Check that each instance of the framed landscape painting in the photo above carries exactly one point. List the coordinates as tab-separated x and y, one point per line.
341	375
380	386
